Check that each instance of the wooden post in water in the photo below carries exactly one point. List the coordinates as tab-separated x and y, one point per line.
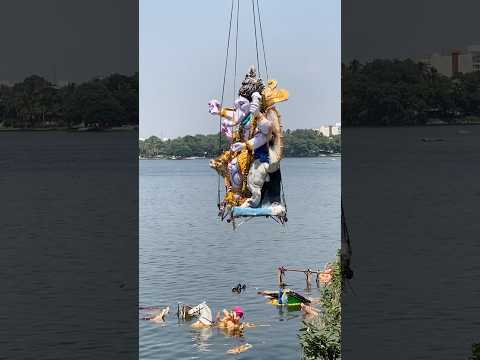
317	278
281	276
308	278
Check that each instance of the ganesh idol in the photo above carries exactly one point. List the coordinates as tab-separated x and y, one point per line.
253	129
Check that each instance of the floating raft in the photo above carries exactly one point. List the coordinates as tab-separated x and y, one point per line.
293	298
273	210
292	301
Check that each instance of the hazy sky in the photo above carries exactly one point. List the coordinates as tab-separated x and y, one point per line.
408	28
68	40
182	54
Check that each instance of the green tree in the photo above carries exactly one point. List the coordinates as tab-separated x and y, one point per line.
94	105
125	90
404	92
35	102
320	337
475	352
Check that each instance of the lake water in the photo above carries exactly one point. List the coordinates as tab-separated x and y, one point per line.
69	248
412	211
187	255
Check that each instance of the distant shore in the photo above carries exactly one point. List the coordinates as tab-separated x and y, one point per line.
297	143
208	158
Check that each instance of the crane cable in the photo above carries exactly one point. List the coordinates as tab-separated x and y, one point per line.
255	14
256	41
236	53
221	103
263	44
283	200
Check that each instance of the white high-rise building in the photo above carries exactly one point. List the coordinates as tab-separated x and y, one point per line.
329	130
457	61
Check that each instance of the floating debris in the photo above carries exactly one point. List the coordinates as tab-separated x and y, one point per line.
159	316
182	311
432	139
239	288
239	349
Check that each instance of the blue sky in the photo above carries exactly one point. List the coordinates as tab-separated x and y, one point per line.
182	54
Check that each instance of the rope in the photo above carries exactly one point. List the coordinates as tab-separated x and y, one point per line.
283	191
345	231
261	37
256	41
236	52
221	103
347	272
284	201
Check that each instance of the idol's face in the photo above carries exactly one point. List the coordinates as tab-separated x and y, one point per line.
242	104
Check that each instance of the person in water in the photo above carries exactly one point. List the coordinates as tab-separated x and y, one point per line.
232	320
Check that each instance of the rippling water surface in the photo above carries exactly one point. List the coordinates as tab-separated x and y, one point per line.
187	255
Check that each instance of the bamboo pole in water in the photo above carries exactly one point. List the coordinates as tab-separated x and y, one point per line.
308	276
303	271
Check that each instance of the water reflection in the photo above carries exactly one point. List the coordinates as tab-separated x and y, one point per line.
286	313
200	337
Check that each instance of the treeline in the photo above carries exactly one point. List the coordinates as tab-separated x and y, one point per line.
298	143
404	92
101	103
309	143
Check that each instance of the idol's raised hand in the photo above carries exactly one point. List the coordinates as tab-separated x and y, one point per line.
214	107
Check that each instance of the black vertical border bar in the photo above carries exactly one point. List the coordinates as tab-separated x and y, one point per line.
69	199
410	193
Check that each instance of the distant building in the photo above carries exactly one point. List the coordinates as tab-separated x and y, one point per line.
435	122
456	61
57	84
329	130
61	83
6	82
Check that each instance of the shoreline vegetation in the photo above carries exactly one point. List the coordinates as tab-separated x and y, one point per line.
107	103
320	337
298	143
407	93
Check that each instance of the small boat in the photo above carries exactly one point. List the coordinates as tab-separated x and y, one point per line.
293	298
